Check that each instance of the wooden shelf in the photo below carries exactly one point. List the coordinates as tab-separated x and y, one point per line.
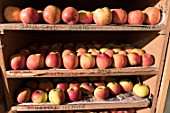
82	72
88	104
80	27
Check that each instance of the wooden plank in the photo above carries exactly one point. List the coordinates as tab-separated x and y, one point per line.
82	72
86	104
81	27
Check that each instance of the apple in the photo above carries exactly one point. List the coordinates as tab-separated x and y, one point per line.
147	59
85	17
152	15
33	85
136	17
112	111
63	86
103	61
139	51
56	47
126	85
70	61
66	52
128	47
101	92
119	61
35	61
123	52
87	61
23	95
80	51
17	61
114	88
133	59
93	51
99	84
131	110
117	48
119	16
74	84
109	52
70	15
56	96
52	14
141	90
39	96
12	14
45	85
53	59
29	15
87	88
102	16
24	52
74	93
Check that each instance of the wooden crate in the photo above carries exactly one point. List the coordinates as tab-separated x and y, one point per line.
152	38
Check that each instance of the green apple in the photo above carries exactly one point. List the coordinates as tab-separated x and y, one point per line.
56	96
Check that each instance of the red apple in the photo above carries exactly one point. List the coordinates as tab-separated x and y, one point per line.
112	111
35	61
12	14
29	15
53	59
39	96
103	61
133	59
86	88
80	51
126	85
33	85
141	90
152	15
101	92
123	52
63	86
56	96
66	52
23	95
45	85
93	51
70	15
114	88
74	93
52	14
109	52
119	61
87	61
17	61
85	17
119	16
136	17
99	84
147	59
70	61
102	16
74	84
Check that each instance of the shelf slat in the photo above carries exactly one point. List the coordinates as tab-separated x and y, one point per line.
112	103
82	72
80	27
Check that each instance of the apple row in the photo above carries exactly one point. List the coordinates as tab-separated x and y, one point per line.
79	55
70	15
60	92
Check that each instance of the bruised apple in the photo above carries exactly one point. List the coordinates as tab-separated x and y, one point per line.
85	17
70	15
87	61
136	17
87	88
152	15
119	16
12	14
102	16
52	14
29	15
53	59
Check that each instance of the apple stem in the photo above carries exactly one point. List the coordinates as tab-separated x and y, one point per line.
139	80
